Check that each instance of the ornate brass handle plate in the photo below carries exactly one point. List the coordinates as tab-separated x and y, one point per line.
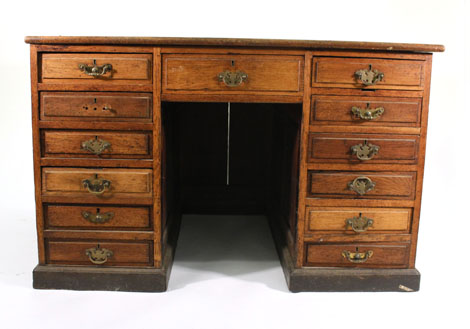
357	257
98	255
367	113
361	185
95	70
96	146
98	218
96	185
359	224
369	76
232	79
365	151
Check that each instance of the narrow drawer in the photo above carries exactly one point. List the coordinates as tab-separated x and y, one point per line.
97	183
358	110
96	68
91	106
261	73
99	253
357	220
347	72
357	255
97	217
97	144
367	185
326	147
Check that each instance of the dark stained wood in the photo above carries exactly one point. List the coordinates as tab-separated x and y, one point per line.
122	144
96	107
337	110
387	184
124	253
72	217
227	42
384	256
336	147
189	73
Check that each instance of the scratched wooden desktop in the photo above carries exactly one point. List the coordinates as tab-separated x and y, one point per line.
327	139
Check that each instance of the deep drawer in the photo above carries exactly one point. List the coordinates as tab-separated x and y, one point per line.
357	220
96	68
97	183
360	110
97	144
261	73
347	72
357	255
363	148
96	253
97	217
92	106
368	185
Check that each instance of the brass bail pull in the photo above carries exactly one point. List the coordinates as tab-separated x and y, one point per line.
359	224
232	79
95	70
96	185
366	151
369	76
98	255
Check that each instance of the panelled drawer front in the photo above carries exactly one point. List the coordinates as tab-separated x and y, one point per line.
128	68
363	148
357	220
264	73
97	217
340	72
122	182
360	110
369	255
91	106
386	185
97	144
94	253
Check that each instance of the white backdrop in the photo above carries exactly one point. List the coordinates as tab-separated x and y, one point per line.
212	294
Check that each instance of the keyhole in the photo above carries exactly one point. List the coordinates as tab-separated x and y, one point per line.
233	62
97	210
94	101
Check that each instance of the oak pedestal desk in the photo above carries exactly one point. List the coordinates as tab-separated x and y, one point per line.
327	139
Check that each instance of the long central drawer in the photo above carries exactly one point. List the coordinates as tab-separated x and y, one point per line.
261	73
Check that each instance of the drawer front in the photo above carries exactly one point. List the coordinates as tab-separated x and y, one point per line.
97	217
357	220
363	185
357	255
96	106
326	147
97	144
343	72
99	253
366	110
99	183
256	73
96	68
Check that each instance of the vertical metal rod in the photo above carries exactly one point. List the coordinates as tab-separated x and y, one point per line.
228	143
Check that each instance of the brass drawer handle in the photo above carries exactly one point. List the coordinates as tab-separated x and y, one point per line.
361	185
357	257
98	255
95	70
96	185
367	113
359	224
369	76
365	151
98	218
96	146
232	79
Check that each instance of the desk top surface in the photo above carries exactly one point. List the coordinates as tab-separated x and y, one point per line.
231	42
